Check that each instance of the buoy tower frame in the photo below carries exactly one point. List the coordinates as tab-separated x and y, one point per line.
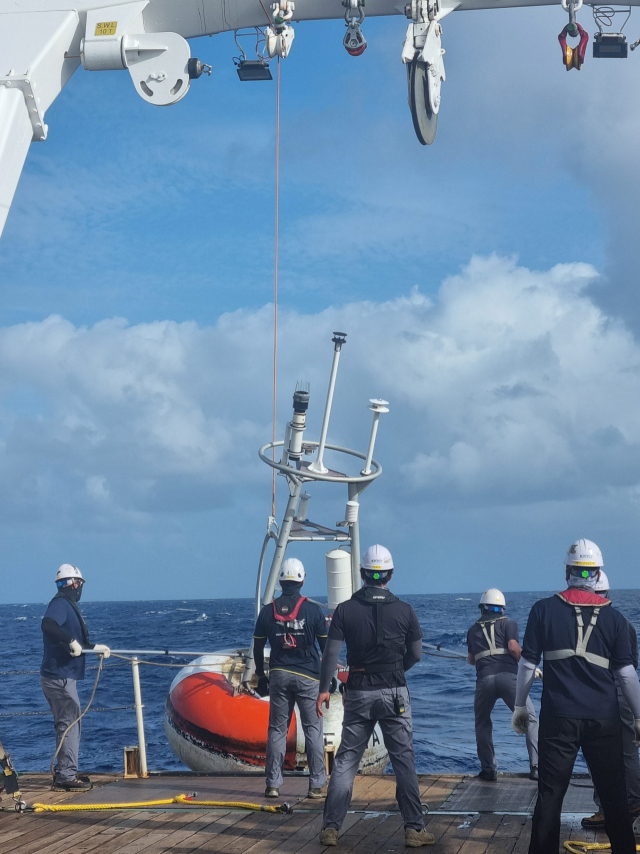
295	527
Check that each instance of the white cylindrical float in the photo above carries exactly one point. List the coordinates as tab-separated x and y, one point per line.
338	577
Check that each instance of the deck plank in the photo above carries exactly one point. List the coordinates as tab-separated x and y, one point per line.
374	826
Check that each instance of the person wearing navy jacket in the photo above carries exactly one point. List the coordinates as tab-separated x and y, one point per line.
293	626
65	635
585	643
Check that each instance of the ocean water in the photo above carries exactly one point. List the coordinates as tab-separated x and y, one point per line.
441	689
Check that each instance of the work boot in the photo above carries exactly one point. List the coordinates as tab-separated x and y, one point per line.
328	836
593	822
75	785
418	838
271	792
316	794
488	776
533	774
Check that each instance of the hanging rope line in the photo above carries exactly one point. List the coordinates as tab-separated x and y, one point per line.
275	285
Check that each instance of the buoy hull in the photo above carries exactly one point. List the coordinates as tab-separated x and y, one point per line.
213	727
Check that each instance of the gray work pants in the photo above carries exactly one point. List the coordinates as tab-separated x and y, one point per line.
62	696
362	709
630	751
285	691
489	689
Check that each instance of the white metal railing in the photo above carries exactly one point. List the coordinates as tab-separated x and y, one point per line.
137	692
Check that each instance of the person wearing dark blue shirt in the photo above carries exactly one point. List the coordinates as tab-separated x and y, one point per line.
586	647
292	625
494	648
65	635
629	742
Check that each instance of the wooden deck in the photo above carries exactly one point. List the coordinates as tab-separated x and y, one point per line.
374	826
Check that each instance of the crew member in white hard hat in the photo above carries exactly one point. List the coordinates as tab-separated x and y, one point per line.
629	744
494	647
293	626
65	635
584	641
384	639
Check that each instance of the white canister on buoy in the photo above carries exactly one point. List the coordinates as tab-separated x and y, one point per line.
338	577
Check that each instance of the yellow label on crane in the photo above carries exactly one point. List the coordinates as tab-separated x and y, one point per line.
106	28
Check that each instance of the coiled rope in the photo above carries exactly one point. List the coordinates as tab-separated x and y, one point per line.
183	800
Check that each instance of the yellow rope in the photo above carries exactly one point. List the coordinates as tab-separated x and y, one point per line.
582	847
179	799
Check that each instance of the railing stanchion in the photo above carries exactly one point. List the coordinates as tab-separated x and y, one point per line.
142	744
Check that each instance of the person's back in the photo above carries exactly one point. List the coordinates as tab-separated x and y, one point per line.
584	642
384	639
573	686
293	626
374	665
494	649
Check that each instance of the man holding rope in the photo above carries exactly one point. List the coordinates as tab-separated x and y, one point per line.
65	635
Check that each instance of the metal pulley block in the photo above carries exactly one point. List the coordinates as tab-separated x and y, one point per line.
279	43
354	41
573	57
280	35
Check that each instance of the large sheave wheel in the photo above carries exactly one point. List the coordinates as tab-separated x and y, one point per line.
425	121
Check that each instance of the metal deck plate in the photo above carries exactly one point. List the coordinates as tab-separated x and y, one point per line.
246	788
514	795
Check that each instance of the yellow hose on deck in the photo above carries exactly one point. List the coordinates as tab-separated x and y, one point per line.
179	799
576	847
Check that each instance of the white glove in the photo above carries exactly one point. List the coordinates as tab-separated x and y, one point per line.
636	726
75	648
520	720
538	673
102	650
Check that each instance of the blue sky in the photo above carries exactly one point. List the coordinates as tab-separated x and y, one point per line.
128	446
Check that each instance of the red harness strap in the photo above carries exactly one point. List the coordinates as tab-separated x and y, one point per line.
575	596
288	640
284	618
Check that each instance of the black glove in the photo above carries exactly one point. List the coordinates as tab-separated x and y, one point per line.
263	685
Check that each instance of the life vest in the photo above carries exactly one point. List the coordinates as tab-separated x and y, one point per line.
290	637
578	599
376	598
490	637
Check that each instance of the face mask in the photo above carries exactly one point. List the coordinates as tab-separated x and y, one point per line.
289	588
72	593
582	582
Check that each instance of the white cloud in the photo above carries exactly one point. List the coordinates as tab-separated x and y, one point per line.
512	385
511	388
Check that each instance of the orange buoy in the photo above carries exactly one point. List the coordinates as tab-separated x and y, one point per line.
206	711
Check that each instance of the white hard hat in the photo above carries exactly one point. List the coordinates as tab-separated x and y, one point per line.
68	571
493	596
602	584
377	557
292	570
584	553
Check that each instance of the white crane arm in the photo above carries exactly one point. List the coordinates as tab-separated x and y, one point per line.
33	70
